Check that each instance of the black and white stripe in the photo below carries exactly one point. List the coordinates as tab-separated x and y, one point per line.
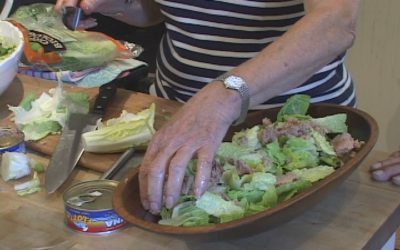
206	38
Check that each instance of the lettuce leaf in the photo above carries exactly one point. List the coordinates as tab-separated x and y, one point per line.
334	123
119	134
185	214
295	105
314	174
300	153
214	205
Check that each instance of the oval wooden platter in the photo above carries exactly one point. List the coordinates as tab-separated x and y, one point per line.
361	126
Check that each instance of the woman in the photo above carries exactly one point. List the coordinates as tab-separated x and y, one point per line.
267	51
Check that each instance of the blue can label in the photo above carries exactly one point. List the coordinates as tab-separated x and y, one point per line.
93	221
11	140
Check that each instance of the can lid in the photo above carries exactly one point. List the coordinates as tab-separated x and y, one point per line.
10	137
96	195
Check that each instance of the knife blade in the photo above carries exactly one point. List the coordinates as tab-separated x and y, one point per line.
72	15
70	147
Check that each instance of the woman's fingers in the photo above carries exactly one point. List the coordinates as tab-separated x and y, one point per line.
392	160
388	169
386	173
62	3
152	176
88	6
176	174
195	131
203	172
151	153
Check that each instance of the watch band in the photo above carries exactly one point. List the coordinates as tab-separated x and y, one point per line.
238	84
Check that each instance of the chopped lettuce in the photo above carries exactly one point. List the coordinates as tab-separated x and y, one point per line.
322	143
334	123
39	129
300	153
214	205
47	114
28	187
230	152
260	181
185	214
248	137
288	190
314	174
27	101
295	105
278	158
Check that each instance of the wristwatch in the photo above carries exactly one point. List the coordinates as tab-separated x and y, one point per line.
238	84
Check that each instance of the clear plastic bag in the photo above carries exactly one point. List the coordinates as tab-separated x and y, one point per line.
49	44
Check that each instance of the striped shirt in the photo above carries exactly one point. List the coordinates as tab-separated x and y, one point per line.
205	38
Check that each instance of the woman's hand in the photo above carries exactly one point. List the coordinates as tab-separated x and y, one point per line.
195	131
88	6
388	169
140	13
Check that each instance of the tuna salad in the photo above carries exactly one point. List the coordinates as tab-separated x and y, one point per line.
265	165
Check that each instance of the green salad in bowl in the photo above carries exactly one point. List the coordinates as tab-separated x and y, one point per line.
275	166
265	165
5	49
11	50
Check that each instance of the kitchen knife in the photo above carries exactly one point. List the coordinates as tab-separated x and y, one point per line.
72	15
70	146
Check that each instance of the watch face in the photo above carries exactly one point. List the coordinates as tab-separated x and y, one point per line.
234	82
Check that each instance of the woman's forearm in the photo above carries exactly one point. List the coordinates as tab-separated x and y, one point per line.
321	35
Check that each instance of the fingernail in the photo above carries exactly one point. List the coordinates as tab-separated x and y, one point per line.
379	175
154	207
396	180
169	202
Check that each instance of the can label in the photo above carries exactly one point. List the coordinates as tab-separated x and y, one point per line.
88	207
92	221
11	140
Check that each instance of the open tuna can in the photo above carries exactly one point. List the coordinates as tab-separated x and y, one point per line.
88	207
11	140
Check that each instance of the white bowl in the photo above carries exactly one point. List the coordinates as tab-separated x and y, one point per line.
9	66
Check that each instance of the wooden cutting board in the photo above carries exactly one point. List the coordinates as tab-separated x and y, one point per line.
123	100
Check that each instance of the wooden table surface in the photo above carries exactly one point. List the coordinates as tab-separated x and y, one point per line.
359	213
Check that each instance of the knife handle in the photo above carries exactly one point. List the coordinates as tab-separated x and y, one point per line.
106	93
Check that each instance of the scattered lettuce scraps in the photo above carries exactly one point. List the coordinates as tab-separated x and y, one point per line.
47	114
